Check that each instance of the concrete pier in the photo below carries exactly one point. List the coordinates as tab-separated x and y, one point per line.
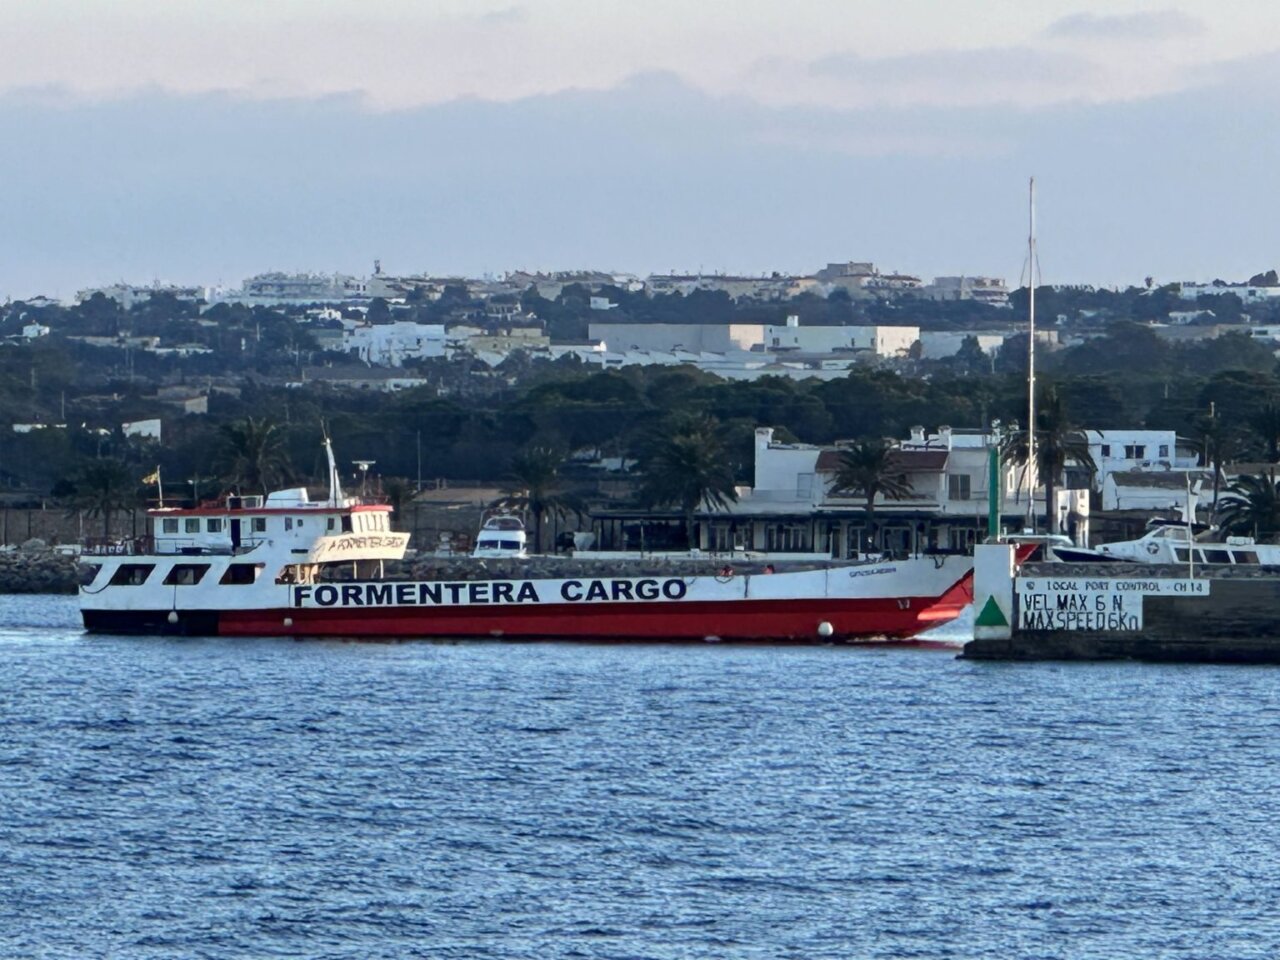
1055	611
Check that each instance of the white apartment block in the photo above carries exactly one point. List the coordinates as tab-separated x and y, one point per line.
670	337
1247	294
883	341
295	289
128	294
390	344
988	290
1138	451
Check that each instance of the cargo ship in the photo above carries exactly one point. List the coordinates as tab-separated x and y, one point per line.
287	565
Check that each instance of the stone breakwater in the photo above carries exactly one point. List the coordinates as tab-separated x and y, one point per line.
34	568
559	568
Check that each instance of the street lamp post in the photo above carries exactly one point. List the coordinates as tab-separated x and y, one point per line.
364	466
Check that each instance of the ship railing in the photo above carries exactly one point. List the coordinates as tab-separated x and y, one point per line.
128	547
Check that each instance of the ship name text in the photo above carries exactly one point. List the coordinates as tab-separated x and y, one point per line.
484	592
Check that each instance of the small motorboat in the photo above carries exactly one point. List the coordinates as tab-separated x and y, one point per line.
502	535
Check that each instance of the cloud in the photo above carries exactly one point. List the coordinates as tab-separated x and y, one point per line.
1017	75
990	65
652	174
1149	25
505	16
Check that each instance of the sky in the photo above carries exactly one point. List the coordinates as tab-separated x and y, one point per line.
202	142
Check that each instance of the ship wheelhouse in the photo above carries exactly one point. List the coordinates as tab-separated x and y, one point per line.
208	555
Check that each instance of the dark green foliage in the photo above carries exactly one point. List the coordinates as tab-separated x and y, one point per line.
687	467
870	468
101	488
1250	506
536	489
253	456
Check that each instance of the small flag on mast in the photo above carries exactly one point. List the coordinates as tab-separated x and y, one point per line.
151	478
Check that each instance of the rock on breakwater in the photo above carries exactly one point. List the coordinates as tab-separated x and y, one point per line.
34	568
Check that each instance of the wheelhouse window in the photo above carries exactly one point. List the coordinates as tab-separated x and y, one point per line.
259	524
241	574
169	525
186	574
192	525
213	525
288	523
131	574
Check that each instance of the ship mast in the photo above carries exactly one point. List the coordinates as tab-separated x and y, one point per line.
335	483
1031	359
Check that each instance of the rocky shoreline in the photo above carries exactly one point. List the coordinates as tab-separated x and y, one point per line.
35	568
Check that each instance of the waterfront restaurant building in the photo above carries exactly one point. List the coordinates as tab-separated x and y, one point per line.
791	507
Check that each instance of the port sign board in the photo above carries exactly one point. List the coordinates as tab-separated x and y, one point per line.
1097	603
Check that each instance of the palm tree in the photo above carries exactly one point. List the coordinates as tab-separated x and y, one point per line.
535	487
1058	442
398	491
1251	506
103	487
871	468
1223	442
253	455
689	467
1266	420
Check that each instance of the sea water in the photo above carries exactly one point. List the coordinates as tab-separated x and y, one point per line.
267	798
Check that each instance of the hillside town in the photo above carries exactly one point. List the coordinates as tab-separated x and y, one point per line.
1158	397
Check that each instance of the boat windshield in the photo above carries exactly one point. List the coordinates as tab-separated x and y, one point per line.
503	523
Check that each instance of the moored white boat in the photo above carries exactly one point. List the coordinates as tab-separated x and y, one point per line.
1172	543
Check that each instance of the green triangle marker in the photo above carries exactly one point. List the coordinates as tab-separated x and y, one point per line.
991	615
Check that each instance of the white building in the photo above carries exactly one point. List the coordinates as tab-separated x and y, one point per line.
989	290
1137	451
128	294
1147	492
883	341
33	331
390	344
940	344
1268	332
145	429
792	504
296	289
669	337
1246	293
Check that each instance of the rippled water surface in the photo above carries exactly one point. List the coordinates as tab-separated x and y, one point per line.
228	798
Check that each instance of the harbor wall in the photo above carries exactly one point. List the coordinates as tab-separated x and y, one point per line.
1135	611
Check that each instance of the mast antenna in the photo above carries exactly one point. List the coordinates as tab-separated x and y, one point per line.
1032	472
